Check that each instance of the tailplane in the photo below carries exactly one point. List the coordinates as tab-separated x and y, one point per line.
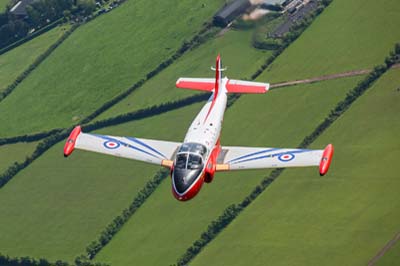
232	85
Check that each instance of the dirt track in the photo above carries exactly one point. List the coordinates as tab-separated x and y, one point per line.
325	77
384	249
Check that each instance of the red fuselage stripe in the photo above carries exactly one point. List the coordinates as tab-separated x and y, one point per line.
217	82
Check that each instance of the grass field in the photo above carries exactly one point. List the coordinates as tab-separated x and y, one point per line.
99	60
15	153
14	62
72	200
348	35
197	63
343	218
163	228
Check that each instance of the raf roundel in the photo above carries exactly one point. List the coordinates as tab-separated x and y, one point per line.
286	157
109	144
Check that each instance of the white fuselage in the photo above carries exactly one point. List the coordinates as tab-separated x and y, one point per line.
206	127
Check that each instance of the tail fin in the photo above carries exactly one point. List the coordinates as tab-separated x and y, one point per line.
218	75
232	85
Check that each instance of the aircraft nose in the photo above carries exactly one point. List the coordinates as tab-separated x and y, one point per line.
184	178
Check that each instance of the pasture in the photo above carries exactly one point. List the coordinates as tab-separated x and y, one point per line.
343	218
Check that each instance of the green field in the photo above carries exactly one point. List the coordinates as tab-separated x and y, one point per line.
163	228
15	153
348	35
15	61
99	60
343	218
197	63
72	200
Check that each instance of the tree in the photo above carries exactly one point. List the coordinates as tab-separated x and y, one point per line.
86	7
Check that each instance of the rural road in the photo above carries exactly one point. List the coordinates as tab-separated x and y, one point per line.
325	77
384	250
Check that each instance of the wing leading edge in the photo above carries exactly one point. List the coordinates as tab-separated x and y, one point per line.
146	150
241	158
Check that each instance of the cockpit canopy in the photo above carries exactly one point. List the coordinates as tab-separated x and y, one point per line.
189	164
193	148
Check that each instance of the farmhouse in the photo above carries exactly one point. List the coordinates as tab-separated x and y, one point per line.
19	9
230	11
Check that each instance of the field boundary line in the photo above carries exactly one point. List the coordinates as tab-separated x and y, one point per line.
385	249
232	211
10	88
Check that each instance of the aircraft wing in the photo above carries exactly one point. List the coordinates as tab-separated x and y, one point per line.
146	150
238	158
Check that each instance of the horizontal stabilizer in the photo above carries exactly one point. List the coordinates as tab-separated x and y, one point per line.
202	84
241	86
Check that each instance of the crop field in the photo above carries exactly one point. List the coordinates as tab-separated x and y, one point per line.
348	35
173	225
197	63
343	218
14	62
15	153
99	60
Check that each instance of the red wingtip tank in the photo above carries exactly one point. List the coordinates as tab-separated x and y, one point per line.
326	160
70	144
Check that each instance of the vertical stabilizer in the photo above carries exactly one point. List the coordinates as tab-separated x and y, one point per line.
218	75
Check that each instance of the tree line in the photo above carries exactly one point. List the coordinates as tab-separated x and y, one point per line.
232	211
29	261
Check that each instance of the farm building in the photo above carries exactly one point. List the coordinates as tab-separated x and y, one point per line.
19	9
230	11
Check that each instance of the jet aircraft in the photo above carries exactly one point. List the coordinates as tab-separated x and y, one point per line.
200	155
